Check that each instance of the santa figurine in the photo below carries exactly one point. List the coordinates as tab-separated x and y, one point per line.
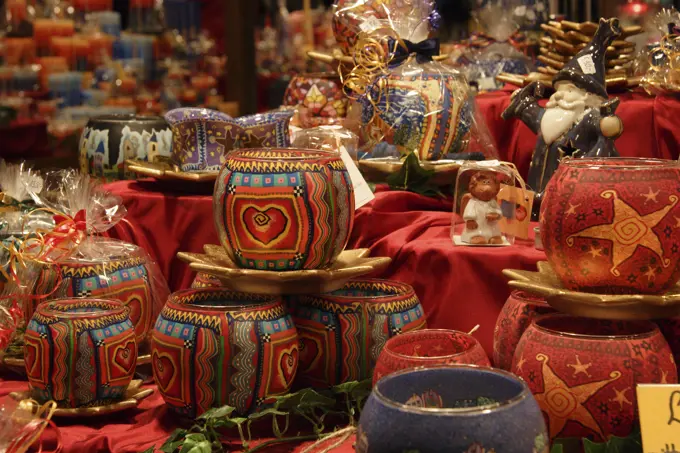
578	120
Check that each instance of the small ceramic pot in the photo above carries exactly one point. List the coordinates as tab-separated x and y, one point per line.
80	352
609	225
343	332
108	141
283	209
583	372
201	138
213	347
320	96
267	130
429	113
127	275
517	313
461	408
428	348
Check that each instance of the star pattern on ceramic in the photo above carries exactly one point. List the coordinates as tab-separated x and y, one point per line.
677	221
563	403
568	149
664	377
621	398
650	274
580	367
627	231
595	252
520	363
650	196
571	210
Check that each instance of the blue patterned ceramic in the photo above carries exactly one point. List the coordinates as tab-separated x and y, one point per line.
429	113
457	409
201	138
267	130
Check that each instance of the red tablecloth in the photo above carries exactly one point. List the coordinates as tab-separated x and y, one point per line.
130	431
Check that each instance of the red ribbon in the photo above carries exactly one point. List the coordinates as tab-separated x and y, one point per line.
67	228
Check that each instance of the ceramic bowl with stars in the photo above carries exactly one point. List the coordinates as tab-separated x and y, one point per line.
583	372
612	226
283	209
428	348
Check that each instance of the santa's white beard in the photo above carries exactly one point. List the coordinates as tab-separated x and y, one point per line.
556	121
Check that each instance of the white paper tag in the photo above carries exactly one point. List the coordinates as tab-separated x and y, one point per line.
370	24
487	83
362	193
587	64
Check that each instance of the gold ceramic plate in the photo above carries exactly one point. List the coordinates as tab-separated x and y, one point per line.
165	171
350	264
602	306
134	395
16	364
378	171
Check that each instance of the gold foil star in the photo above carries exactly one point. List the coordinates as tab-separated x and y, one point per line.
563	403
628	231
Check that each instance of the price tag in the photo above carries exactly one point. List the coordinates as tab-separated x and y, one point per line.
362	193
659	407
587	64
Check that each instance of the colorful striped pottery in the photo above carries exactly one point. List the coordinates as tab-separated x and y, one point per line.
583	372
343	332
428	348
283	209
459	408
213	347
80	352
517	313
320	96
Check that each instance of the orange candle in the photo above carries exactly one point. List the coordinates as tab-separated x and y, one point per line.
19	51
51	65
17	10
126	85
101	44
42	32
63	47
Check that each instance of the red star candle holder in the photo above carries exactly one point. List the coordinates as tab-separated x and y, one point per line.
583	372
612	226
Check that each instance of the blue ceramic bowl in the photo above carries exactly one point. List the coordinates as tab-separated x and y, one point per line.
457	409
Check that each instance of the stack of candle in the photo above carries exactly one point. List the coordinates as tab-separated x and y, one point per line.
107	21
139	47
66	86
51	65
101	46
45	29
19	51
25	79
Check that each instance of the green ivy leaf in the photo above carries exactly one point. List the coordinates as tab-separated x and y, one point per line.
346	387
149	450
171	447
592	447
218	412
303	400
264	412
174	441
557	448
362	390
413	177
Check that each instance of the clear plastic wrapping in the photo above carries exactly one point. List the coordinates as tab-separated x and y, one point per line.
15	182
328	138
662	63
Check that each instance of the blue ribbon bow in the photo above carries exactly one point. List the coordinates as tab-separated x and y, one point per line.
424	50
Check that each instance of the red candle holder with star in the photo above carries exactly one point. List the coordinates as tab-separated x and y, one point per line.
583	372
612	226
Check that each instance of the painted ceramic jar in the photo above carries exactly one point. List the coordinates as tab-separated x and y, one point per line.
213	347
267	130
583	372
343	332
609	225
127	275
319	97
428	348
460	408
80	352
283	209
201	138
203	280
108	141
517	313
670	328
430	113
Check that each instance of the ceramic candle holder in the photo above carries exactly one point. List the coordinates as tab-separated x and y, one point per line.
283	209
610	225
428	348
460	408
578	367
320	96
80	352
213	347
343	332
266	130
108	141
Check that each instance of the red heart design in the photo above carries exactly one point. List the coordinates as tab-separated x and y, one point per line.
265	226
288	365
126	356
309	352
163	371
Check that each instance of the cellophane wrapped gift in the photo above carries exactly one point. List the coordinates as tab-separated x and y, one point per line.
405	101
662	61
15	181
22	424
494	49
489	208
328	138
78	261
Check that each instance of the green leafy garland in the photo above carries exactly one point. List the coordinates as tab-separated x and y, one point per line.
630	444
414	178
344	400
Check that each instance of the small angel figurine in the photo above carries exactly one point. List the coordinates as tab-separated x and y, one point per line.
481	212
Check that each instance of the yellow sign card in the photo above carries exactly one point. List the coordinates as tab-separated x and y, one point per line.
659	406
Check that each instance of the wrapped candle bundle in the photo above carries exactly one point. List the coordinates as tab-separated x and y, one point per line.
496	48
662	75
406	99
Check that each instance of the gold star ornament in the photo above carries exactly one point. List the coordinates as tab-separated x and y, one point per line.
628	231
